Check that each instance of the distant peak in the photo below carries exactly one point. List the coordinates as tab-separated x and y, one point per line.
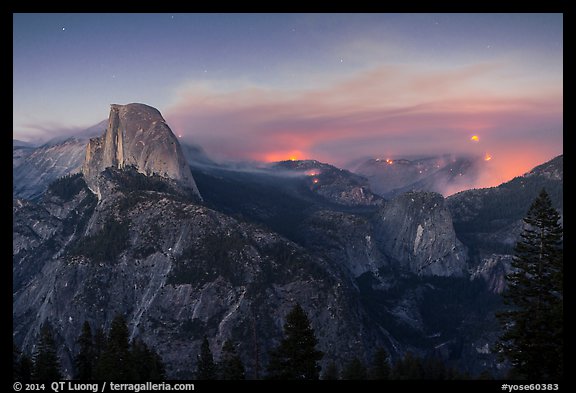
135	107
299	164
136	112
137	136
553	169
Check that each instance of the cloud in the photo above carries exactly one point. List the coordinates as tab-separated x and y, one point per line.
41	132
388	110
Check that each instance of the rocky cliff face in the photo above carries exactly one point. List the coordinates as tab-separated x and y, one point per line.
137	135
179	270
413	233
176	269
416	230
367	271
348	239
34	169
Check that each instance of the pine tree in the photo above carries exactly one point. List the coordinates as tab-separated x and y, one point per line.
434	368
485	375
296	357
158	370
139	353
147	363
99	344
331	373
46	365
21	365
408	368
380	366
355	370
26	365
85	357
532	338
231	367
115	362
205	368
15	362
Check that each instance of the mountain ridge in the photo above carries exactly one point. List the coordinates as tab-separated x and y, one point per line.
409	273
444	174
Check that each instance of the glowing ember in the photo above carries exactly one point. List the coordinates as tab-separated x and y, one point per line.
315	181
389	161
474	138
487	157
312	172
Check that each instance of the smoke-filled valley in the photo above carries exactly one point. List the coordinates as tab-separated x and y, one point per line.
129	221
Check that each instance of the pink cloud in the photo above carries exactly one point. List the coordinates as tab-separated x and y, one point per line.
395	110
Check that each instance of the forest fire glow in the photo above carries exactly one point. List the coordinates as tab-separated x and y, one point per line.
315	181
487	157
475	138
275	156
389	161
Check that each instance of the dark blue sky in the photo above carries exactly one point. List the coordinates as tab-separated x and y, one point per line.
326	86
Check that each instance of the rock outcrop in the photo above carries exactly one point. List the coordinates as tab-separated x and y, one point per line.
416	230
34	169
335	184
178	271
137	136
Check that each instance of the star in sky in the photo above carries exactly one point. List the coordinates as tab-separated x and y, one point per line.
260	86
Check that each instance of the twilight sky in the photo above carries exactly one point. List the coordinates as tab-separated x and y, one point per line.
333	87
